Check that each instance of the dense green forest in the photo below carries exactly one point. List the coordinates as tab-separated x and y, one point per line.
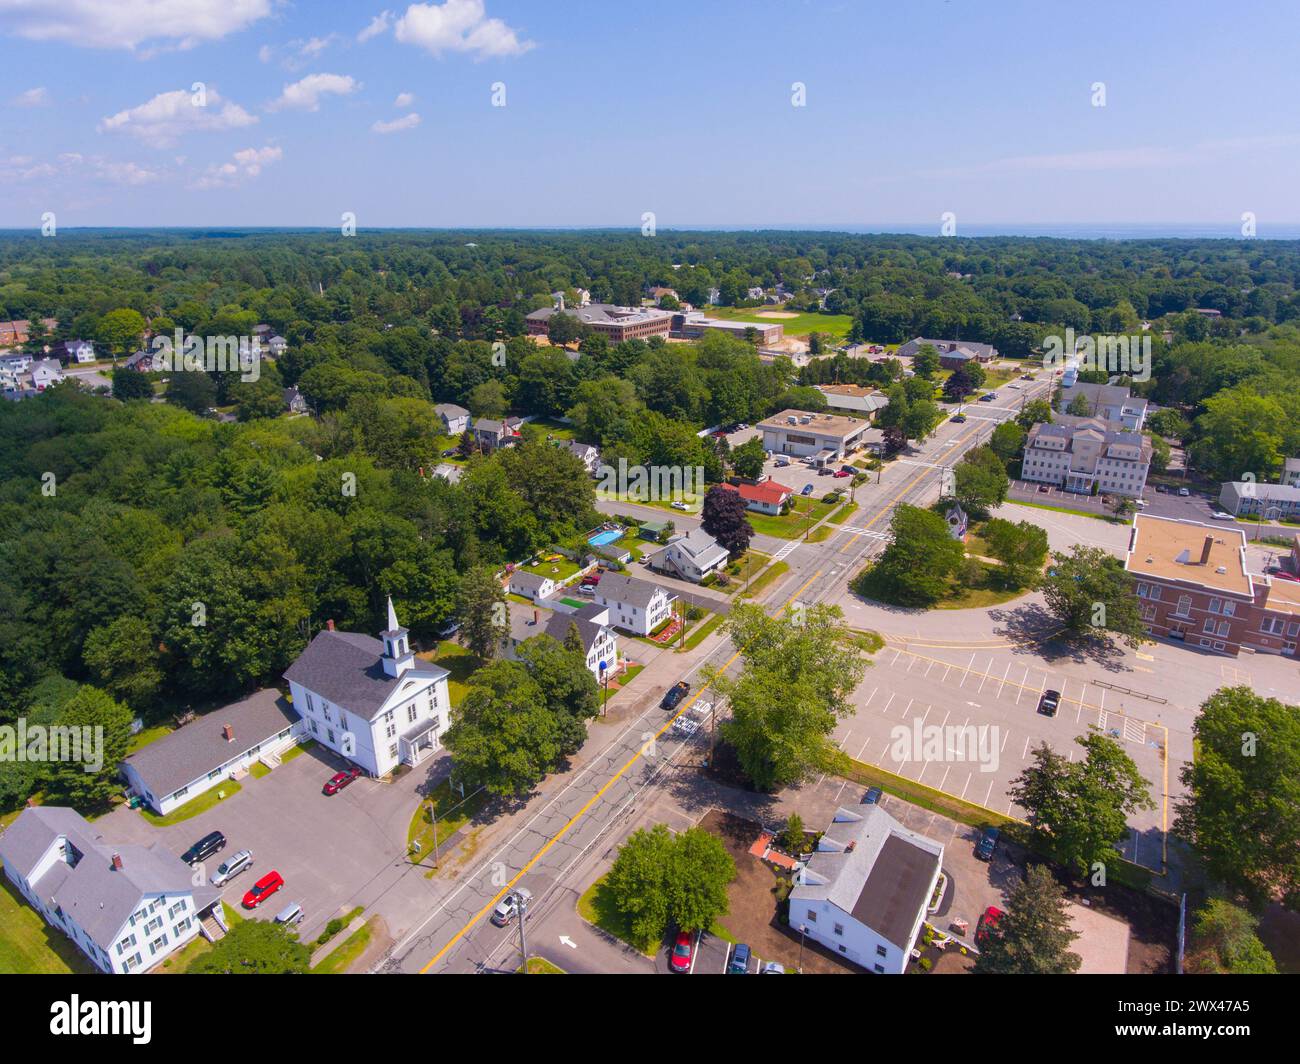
120	517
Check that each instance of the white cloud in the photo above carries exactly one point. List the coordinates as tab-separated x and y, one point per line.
397	124
458	26
305	95
20	168
266	53
129	23
31	98
244	164
404	99
127	173
377	25
168	115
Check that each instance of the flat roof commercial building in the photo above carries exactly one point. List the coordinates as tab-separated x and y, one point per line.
1193	586
828	436
695	325
615	323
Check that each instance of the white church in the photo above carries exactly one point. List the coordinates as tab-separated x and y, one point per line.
370	699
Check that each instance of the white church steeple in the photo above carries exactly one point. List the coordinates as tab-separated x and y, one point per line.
397	645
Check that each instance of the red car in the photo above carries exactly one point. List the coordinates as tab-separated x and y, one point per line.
590	580
340	780
263	889
842	473
989	920
682	953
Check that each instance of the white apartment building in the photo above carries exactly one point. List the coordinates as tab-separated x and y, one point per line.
1087	455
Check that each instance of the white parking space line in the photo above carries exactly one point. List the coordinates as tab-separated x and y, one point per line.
1005	736
1004	679
885	707
870	697
966	784
863	750
947	769
988	795
927	713
1020	688
929	667
1025	752
945	674
967	674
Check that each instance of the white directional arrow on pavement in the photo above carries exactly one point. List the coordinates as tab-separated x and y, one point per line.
565	940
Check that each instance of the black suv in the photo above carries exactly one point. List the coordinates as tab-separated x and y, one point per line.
204	848
1048	703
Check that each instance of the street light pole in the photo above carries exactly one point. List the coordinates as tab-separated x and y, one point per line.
803	930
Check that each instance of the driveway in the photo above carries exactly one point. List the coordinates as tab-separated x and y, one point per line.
329	849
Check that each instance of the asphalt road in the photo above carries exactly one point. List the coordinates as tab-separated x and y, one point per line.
586	810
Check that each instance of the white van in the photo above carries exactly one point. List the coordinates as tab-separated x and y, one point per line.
290	914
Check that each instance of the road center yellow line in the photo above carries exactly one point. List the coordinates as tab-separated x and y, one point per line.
593	800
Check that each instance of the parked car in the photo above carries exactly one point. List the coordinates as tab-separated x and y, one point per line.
508	907
1223	515
839	473
1026	376
958	419
739	963
340	780
988	921
782	462
587	589
451	452
987	844
231	867
850	470
1044	488
1048	702
679	506
590	580
291	914
807	490
263	889
675	694
988	397
448	629
1162	489
1184	492
1282	574
679	960
873	796
204	848
773	968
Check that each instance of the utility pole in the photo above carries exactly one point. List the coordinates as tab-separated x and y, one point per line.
522	903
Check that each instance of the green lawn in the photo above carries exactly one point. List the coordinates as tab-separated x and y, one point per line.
596	906
28	946
145	736
554	429
764	581
194	806
832	326
453	814
792	524
295	751
701	631
257	770
842	514
541	966
458	661
339	960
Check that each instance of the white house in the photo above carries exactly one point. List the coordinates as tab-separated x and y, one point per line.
126	907
599	640
277	345
16	361
219	746
637	606
864	893
455	419
1291	473
79	351
691	555
370	700
46	372
585	453
531	585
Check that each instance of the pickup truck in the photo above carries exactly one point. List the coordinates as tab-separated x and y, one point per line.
675	694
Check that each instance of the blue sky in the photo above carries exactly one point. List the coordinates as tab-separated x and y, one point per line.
613	109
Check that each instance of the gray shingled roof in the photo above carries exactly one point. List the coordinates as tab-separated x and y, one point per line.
882	880
96	896
450	411
618	587
557	626
197	748
530	580
344	668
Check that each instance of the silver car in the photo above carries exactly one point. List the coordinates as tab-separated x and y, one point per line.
231	867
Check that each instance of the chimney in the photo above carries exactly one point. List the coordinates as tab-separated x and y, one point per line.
228	733
329	625
1205	550
117	862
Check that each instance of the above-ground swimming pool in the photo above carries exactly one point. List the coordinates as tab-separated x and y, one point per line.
608	536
